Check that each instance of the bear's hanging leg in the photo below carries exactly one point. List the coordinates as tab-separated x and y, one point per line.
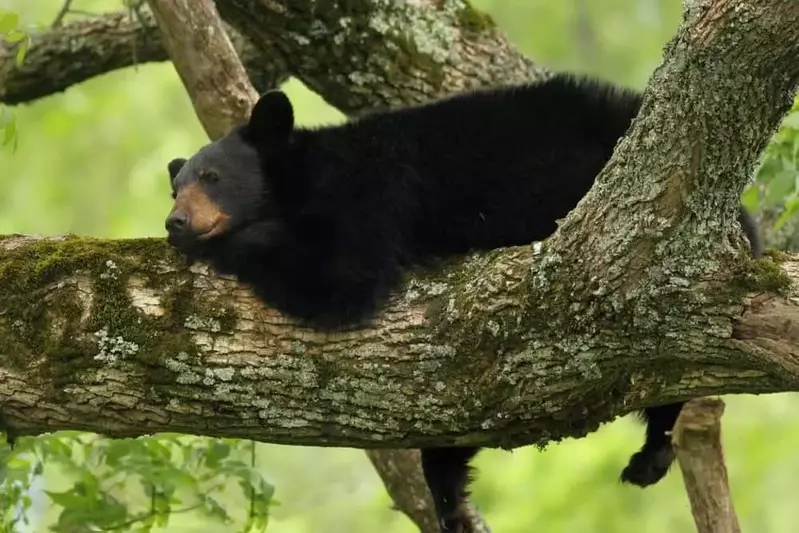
447	473
652	462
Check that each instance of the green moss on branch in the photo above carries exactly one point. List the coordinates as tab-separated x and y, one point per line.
66	307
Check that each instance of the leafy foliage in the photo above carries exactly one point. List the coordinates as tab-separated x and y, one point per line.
776	184
173	474
11	33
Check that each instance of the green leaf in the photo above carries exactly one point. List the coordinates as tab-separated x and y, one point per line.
216	453
67	499
791	208
781	186
15	36
22	50
118	450
751	198
213	508
10	132
9	22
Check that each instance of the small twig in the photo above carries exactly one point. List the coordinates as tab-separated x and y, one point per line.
59	18
697	441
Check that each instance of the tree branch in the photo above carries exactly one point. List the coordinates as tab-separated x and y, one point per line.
409	492
660	221
362	54
400	471
206	63
115	337
380	55
73	53
697	441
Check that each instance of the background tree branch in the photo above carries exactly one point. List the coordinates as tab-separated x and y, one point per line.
206	62
697	441
72	53
416	51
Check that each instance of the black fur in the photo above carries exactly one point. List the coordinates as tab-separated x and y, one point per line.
323	220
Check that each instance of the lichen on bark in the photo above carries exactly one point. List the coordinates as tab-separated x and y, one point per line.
68	303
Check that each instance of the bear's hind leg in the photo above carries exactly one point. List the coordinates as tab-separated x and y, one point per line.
446	471
650	464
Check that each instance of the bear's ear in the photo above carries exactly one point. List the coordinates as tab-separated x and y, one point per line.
174	167
272	120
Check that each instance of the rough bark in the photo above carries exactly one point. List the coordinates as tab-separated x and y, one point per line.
657	231
206	62
73	53
382	53
368	52
115	337
697	441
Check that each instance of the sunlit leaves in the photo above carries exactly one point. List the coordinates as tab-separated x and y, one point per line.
8	127
172	474
777	179
10	32
9	22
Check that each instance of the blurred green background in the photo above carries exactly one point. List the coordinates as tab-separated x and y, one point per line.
92	161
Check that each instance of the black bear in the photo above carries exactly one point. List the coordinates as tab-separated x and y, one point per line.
320	222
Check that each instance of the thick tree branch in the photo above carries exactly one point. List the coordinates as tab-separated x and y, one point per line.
356	54
362	53
113	337
659	222
697	440
73	53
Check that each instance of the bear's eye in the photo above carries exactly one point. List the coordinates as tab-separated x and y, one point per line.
209	176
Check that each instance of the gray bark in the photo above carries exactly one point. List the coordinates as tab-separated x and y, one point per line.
73	53
382	53
117	338
697	441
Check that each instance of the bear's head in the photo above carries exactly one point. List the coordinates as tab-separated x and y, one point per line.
224	192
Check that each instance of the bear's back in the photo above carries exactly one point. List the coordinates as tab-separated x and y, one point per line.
495	167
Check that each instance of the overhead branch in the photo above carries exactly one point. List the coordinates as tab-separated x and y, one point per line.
361	54
206	62
355	54
72	53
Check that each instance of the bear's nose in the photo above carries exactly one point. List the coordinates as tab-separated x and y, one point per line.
177	222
